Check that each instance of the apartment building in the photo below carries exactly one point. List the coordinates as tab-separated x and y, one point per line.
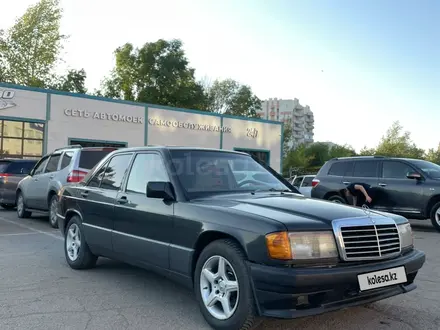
293	113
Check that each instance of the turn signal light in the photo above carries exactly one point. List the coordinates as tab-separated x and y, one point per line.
278	245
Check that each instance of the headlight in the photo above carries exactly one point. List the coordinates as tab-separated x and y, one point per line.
406	237
301	245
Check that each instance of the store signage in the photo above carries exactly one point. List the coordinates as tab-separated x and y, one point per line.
103	116
188	125
6	97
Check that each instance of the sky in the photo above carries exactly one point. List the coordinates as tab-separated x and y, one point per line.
359	65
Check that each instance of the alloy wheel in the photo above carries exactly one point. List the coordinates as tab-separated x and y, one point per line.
20	204
219	287
437	216
53	211
73	242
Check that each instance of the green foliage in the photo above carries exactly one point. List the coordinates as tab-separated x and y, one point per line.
287	137
158	73
30	49
229	97
74	81
398	143
433	155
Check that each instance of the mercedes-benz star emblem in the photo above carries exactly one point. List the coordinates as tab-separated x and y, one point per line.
367	211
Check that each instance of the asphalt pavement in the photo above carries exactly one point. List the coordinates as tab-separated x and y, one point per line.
39	291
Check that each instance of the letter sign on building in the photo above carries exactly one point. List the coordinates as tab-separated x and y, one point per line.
103	116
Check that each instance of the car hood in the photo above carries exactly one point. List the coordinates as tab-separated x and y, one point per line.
293	210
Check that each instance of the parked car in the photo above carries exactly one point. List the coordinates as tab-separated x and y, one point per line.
12	170
304	184
247	250
409	187
38	191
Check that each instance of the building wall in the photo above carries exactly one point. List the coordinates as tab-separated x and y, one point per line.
21	103
242	135
75	117
177	128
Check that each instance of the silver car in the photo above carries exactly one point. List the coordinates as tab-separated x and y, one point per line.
304	184
39	190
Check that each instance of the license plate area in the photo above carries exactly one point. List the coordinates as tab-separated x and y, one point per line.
382	278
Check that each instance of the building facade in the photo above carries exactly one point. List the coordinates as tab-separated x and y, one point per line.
36	121
293	113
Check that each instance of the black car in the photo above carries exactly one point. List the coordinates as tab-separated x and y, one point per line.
408	187
247	248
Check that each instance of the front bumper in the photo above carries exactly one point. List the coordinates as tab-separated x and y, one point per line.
283	292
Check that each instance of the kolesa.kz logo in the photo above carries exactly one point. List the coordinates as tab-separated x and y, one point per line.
5	99
382	279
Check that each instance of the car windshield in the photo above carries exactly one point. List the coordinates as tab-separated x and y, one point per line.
433	170
201	172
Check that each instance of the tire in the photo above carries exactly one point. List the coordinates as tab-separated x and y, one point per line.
74	240
8	206
21	207
53	206
435	216
337	199
243	307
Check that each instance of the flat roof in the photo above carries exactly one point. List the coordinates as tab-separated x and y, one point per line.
149	105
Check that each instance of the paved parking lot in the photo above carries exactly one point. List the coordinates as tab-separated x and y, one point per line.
39	291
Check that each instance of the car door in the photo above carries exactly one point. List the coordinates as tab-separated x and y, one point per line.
362	171
97	198
42	182
306	186
31	186
398	194
142	225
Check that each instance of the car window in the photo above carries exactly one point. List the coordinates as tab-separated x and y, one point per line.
20	167
297	181
89	158
395	170
67	158
339	168
4	166
201	172
52	165
365	169
307	181
146	168
115	171
40	166
95	181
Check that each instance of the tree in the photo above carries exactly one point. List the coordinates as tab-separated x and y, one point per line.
230	97
367	151
287	137
30	49
396	143
73	81
433	155
296	161
336	151
158	72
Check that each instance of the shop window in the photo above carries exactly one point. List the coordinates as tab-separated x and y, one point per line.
20	139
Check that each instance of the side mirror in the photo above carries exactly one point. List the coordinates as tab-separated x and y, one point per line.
160	189
414	175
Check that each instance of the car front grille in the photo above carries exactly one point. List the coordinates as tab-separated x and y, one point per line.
368	239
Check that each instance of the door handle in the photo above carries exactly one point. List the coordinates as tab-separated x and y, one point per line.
84	194
382	184
52	176
346	182
123	200
35	179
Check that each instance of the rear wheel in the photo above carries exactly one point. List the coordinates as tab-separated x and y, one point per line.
21	207
8	206
76	250
337	199
435	216
53	207
223	289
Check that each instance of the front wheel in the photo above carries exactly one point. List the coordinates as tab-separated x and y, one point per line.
53	207
21	207
222	287
76	250
435	216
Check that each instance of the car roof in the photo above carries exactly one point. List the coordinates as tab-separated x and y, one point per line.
160	147
17	160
